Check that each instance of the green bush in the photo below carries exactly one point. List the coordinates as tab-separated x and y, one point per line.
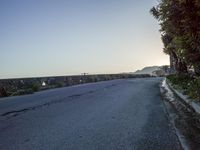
59	84
190	85
194	88
35	87
22	92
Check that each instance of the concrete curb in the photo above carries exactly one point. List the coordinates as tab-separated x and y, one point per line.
194	105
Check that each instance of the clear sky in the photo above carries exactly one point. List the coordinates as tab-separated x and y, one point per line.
65	37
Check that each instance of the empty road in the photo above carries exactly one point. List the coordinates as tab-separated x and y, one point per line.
126	114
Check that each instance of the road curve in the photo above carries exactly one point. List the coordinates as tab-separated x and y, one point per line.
112	115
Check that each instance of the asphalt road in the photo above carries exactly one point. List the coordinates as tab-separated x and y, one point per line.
112	115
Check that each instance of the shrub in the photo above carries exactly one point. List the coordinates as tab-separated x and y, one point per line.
194	88
35	87
190	85
59	84
22	92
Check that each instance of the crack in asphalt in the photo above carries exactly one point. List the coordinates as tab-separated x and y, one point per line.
15	113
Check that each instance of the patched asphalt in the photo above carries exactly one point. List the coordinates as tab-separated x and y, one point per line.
124	114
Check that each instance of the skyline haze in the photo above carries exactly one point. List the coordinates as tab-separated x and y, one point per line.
55	38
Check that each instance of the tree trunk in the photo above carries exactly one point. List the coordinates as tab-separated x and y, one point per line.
182	67
174	61
197	70
179	65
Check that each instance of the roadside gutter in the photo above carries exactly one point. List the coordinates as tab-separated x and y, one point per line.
190	102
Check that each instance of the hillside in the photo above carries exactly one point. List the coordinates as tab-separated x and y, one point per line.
147	70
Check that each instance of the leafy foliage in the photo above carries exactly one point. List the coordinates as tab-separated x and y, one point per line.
180	29
190	85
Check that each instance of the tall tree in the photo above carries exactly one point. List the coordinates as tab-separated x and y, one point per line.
180	29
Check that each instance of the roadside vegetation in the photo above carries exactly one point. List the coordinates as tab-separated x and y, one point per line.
187	84
180	33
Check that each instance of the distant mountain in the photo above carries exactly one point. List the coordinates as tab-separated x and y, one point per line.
148	70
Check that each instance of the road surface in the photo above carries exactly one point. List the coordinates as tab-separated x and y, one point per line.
126	114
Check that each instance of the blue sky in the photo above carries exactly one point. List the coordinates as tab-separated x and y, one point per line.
65	37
